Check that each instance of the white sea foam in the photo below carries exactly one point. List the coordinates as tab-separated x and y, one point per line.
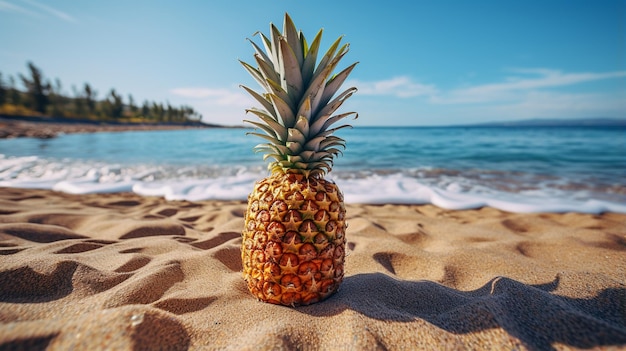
446	190
400	189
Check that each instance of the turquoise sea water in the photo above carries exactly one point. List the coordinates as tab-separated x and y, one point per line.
514	168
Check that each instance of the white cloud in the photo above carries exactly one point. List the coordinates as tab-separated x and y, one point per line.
224	106
525	93
37	11
402	87
55	12
220	96
512	87
9	7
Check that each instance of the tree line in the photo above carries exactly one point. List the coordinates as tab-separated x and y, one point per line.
43	98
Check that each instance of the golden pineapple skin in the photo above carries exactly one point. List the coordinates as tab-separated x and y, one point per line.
293	248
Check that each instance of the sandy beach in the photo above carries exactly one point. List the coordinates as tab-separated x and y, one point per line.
124	272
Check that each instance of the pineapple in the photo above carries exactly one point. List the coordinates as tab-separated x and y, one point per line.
293	246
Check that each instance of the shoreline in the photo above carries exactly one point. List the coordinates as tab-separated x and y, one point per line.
126	271
42	129
591	188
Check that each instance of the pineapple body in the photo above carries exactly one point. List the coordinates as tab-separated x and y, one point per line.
294	239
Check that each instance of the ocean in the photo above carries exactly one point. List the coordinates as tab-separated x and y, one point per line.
517	169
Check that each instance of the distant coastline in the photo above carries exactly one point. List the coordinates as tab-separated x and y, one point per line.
599	122
12	126
554	122
50	127
71	120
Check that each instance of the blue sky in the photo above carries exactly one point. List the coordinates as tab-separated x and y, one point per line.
421	62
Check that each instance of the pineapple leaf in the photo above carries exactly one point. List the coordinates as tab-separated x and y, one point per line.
255	74
276	89
267	44
261	147
304	44
323	123
334	151
320	166
331	131
305	108
332	141
294	158
290	32
328	56
275	50
322	78
274	156
293	148
292	78
280	131
266	69
307	155
265	148
300	165
266	137
262	126
308	67
283	110
280	149
331	107
259	51
296	136
335	83
267	105
302	125
314	144
324	157
316	89
336	118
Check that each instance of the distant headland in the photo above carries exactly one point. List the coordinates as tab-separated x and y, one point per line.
50	127
41	108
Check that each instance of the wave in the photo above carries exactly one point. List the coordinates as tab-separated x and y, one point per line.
450	189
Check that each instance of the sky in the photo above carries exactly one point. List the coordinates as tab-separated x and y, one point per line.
421	63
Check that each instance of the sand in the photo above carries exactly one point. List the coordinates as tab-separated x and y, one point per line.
124	272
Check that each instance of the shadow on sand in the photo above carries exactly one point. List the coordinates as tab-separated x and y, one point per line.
530	313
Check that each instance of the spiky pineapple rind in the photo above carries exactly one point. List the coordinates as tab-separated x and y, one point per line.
294	239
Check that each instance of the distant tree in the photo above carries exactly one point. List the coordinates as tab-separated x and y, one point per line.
90	98
79	102
113	105
41	96
15	97
57	100
3	91
132	108
145	109
170	113
191	114
157	112
37	89
58	87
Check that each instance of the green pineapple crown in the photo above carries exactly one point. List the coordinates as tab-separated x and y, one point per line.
298	100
